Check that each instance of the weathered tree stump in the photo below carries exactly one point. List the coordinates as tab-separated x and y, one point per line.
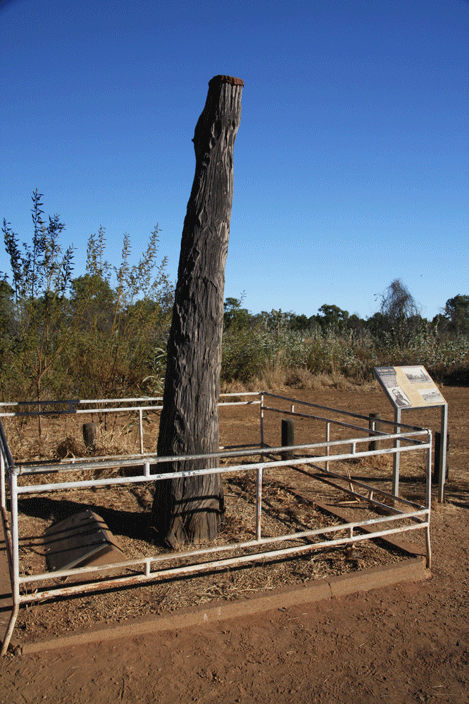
190	509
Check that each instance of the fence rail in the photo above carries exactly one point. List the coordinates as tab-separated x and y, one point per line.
311	459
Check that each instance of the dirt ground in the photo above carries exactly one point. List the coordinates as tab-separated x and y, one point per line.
398	644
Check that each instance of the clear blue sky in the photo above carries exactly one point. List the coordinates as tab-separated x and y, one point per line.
351	161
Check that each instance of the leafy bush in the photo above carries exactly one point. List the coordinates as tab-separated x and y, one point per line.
99	334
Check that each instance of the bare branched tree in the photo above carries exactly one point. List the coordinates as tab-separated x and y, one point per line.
400	312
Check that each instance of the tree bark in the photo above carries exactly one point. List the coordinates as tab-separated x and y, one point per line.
190	509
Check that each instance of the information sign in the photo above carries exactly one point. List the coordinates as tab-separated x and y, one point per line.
409	387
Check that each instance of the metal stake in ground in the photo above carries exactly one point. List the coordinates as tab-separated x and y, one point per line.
189	509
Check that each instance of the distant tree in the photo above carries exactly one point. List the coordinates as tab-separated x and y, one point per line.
377	325
235	317
397	301
299	323
332	317
456	313
355	323
401	319
440	324
276	320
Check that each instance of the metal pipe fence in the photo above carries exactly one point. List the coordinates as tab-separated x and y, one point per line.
312	460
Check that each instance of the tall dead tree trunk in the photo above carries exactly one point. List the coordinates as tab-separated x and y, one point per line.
190	509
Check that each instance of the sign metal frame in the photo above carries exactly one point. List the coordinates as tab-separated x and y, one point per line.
409	388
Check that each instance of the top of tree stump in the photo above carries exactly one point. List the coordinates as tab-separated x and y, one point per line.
227	79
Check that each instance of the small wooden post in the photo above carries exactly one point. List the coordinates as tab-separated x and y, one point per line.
89	435
374	424
288	436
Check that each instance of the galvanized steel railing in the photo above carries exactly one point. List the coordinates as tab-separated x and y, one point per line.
311	459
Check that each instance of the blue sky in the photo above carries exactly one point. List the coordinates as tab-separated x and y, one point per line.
351	161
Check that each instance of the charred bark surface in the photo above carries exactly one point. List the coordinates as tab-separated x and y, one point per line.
190	509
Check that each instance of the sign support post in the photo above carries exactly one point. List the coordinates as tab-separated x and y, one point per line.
443	451
409	388
397	455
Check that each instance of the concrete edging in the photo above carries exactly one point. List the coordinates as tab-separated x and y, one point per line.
410	570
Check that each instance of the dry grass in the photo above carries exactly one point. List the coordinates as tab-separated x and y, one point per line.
62	437
279	378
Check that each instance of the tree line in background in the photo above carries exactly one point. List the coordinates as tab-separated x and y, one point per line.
293	348
104	333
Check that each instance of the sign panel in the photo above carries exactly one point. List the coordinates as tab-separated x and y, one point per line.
409	387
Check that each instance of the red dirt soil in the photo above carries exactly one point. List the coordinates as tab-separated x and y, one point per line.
407	643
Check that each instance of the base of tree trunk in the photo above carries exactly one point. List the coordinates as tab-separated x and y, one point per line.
187	510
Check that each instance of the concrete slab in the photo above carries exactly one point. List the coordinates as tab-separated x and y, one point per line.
82	539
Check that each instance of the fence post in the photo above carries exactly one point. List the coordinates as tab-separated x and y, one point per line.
288	436
374	424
